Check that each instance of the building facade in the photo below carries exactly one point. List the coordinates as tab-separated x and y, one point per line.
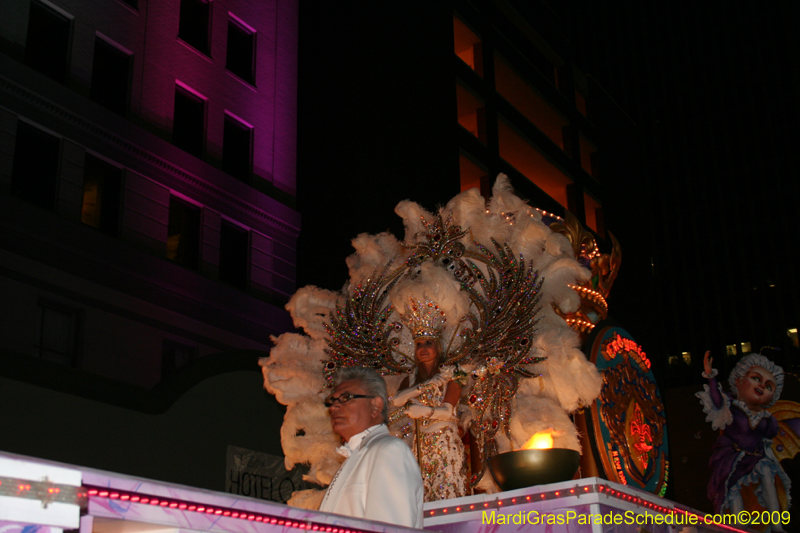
147	183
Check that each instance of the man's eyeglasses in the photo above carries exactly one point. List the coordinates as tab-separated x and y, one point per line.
344	398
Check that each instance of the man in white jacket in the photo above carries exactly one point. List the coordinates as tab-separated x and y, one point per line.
379	479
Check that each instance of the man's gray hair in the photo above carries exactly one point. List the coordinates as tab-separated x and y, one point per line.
370	380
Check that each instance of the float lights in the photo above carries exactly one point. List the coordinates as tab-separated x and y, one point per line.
171	503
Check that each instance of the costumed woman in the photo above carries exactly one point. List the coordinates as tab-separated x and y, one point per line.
429	397
742	459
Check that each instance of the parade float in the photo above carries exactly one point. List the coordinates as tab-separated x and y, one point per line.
524	295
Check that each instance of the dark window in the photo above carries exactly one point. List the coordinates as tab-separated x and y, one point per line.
234	246
34	174
48	43
189	122
195	21
183	233
237	149
175	355
102	190
133	3
241	51
58	333
111	76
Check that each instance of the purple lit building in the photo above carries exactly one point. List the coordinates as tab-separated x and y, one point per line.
148	227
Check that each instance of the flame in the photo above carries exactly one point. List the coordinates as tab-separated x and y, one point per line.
541	440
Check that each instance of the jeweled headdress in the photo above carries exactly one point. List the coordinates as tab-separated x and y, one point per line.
424	319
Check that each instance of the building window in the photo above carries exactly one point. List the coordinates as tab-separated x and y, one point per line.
34	175
183	233
195	23
174	355
102	193
471	112
133	3
528	101
58	333
594	214
189	122
588	150
237	148
467	46
580	103
241	50
473	176
111	76
234	247
520	153
48	43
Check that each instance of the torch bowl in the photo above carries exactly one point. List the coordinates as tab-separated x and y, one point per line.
526	468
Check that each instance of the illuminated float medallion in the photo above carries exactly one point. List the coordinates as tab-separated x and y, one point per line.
536	463
628	426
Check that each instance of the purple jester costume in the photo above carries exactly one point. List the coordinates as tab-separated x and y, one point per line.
742	454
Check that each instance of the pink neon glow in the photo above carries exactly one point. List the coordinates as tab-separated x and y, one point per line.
163	503
103	494
182	506
173	505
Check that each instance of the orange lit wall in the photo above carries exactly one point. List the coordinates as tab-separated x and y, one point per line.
523	156
528	102
591	205
469	106
580	103
587	149
471	173
467	45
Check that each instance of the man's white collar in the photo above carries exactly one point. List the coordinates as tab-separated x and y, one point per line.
355	441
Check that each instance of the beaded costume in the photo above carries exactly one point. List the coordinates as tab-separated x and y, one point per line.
443	463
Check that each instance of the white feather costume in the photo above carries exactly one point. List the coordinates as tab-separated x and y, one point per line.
552	376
